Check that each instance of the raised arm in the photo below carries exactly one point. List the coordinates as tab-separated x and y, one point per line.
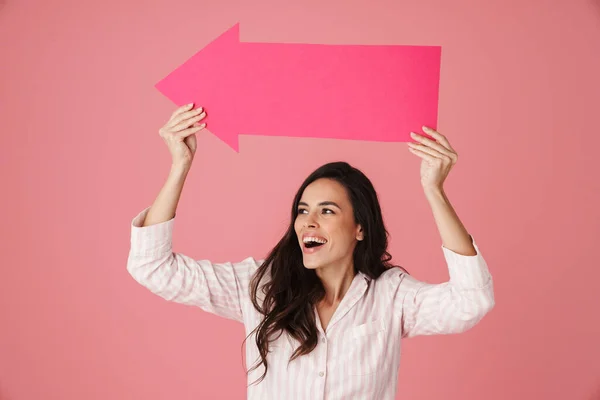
216	288
444	308
460	303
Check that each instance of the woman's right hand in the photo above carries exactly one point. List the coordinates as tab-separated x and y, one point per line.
179	134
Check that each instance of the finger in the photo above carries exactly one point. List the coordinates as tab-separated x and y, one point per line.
424	156
430	143
187	123
430	151
183	116
436	146
181	109
439	137
190	131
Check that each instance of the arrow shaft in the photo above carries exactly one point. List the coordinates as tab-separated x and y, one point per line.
337	91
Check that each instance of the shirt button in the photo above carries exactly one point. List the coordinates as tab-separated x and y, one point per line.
321	373
323	340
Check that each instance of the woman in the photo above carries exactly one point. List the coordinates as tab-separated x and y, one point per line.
325	310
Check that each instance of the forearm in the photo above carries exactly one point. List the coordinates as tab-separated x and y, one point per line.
165	204
454	235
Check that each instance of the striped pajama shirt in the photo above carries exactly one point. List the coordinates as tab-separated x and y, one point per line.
358	357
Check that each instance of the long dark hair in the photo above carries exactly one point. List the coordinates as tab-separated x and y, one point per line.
293	290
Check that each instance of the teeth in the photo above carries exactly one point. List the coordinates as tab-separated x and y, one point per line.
314	239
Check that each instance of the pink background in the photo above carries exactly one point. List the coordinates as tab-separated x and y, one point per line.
81	156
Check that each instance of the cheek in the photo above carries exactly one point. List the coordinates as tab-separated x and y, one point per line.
297	225
343	237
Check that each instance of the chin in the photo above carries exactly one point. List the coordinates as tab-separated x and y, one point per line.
311	264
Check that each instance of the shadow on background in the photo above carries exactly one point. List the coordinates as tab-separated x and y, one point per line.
595	4
596	394
2	394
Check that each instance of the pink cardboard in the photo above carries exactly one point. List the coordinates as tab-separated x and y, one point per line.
352	92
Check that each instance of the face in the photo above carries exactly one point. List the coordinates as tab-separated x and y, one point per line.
325	226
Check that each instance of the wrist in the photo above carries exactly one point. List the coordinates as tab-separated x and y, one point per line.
434	193
178	175
179	169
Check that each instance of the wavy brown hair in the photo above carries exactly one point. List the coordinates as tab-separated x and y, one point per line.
293	290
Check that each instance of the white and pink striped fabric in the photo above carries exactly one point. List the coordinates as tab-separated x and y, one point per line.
359	355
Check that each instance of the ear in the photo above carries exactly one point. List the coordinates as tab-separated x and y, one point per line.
359	233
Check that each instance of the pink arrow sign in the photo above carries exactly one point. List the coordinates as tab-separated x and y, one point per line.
352	92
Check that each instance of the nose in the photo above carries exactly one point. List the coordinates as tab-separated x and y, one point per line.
309	221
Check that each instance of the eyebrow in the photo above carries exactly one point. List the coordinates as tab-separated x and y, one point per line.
323	203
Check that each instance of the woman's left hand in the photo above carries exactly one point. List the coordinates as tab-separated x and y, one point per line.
438	158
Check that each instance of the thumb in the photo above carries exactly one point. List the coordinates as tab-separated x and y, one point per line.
192	142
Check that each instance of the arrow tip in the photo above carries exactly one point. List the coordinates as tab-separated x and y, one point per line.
231	140
227	133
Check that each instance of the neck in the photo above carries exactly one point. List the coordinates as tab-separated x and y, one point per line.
336	281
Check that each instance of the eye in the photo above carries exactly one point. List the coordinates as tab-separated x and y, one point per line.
328	211
301	210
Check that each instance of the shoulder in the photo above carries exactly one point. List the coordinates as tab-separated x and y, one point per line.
397	279
247	267
394	273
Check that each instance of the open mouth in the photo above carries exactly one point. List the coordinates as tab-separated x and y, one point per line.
313	243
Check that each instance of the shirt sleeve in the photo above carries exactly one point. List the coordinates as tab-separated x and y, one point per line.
218	288
445	308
